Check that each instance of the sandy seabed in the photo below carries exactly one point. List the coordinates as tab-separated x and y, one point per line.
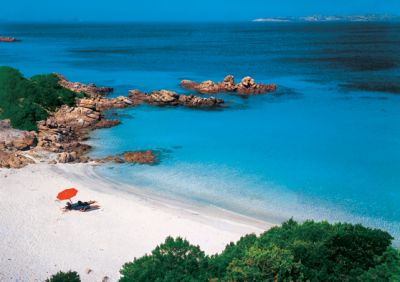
39	239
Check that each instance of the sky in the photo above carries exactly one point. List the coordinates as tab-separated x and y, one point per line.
185	10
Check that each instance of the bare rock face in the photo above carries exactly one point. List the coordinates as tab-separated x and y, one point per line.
64	129
197	102
245	87
76	117
78	87
140	157
101	103
66	157
248	86
170	98
14	139
8	39
13	160
26	141
107	123
228	84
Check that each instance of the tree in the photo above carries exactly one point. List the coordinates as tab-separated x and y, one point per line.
70	276
174	260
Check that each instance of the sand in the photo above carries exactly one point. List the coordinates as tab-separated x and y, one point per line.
38	238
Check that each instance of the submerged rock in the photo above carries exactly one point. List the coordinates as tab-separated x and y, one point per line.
245	87
140	157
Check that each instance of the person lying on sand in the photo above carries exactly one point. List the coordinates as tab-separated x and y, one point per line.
81	206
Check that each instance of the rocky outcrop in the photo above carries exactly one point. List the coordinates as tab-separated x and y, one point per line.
14	139
78	87
170	98
140	157
100	103
66	157
13	160
64	130
8	39
247	86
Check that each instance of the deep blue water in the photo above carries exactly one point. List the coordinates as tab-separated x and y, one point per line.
325	146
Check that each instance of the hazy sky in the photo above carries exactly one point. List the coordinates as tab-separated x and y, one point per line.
184	10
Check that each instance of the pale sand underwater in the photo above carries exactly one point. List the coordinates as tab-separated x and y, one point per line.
38	238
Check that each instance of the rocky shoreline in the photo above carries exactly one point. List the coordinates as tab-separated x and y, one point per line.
60	138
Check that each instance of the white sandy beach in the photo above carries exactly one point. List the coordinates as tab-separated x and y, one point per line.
38	239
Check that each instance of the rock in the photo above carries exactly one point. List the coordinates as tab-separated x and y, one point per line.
170	98
140	157
5	124
78	87
26	141
66	157
246	86
197	102
114	159
13	160
100	103
75	117
87	103
228	84
8	39
206	87
107	123
15	139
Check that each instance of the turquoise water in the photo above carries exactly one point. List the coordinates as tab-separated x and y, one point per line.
325	146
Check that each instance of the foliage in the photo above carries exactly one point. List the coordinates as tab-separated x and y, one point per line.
26	101
70	276
175	260
311	251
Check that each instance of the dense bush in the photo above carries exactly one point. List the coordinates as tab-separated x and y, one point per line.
175	260
26	101
292	252
70	276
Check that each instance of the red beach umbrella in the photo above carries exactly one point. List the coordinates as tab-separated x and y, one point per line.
67	194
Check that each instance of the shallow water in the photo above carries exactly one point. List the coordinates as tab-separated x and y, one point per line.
325	146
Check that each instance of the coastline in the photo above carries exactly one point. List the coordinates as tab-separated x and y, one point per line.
39	239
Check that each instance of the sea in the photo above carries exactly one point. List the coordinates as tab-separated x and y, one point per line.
325	146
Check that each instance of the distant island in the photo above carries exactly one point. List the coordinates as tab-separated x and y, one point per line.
321	18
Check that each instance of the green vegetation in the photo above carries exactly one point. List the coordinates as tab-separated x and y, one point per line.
70	276
292	252
26	101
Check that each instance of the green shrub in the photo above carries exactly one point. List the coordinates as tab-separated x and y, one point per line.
311	251
70	276
175	260
27	101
